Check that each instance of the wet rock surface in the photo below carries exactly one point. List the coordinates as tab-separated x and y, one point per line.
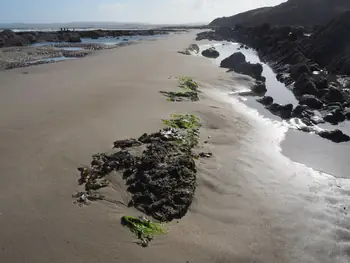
283	111
193	48
335	136
308	65
237	62
311	101
9	38
159	174
266	100
17	57
259	88
210	53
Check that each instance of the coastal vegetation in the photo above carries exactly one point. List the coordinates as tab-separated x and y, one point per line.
189	90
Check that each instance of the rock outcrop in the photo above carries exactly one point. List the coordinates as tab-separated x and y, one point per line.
301	62
335	136
210	53
9	38
238	63
292	12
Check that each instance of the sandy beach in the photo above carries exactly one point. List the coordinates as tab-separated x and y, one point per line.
252	204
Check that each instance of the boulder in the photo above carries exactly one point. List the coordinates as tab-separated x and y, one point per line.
259	87
194	48
347	113
233	60
304	85
298	69
299	110
334	95
284	111
311	101
320	82
69	37
266	100
238	63
335	117
210	53
335	136
9	38
30	37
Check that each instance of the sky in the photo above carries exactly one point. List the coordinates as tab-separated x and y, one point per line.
145	11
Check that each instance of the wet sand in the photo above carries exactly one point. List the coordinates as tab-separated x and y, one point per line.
252	204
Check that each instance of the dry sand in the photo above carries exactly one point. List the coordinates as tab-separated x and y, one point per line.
252	204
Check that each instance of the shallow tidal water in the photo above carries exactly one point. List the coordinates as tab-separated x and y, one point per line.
302	178
305	148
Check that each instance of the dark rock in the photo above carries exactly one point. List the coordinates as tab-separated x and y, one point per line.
347	113
161	176
334	95
320	82
305	128
335	117
288	81
194	48
330	45
292	12
284	111
334	106
311	101
30	37
238	63
210	53
95	37
259	87
233	60
297	70
335	136
298	111
126	143
280	77
304	85
9	38
314	67
266	100
71	37
274	108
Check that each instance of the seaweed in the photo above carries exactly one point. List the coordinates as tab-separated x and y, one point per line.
188	83
190	125
189	90
143	228
160	175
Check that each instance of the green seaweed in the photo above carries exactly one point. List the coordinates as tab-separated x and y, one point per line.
190	125
143	228
188	83
182	121
189	90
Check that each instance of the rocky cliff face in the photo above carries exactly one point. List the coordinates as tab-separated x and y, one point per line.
292	12
308	65
331	45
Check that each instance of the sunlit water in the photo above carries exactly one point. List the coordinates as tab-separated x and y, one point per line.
302	177
309	149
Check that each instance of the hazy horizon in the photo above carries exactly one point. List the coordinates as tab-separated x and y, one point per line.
124	11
